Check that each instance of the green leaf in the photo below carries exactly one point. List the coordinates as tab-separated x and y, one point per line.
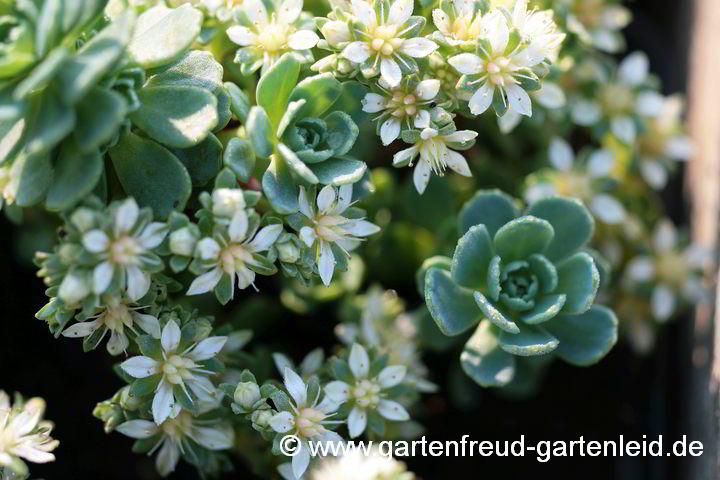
296	165
53	121
472	258
338	171
484	360
203	161
42	74
530	341
491	208
176	116
545	308
36	174
49	26
274	87
579	279
76	175
144	386
11	137
99	115
438	261
151	174
493	277
81	72
162	33
348	103
492	313
520	238
585	338
319	92
239	101
260	132
224	289
341	132
279	187
451	306
240	158
545	272
572	222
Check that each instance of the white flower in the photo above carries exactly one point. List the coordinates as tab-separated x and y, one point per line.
234	251
460	24
176	369
9	184
226	202
325	227
173	434
309	366
598	22
386	45
307	420
435	155
268	35
398	105
182	242
24	435
367	393
74	287
115	317
357	465
125	250
538	29
579	180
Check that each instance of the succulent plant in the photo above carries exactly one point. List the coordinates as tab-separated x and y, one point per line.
526	283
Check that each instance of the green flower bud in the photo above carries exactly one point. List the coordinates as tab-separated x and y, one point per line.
247	394
288	252
74	288
182	242
83	219
261	418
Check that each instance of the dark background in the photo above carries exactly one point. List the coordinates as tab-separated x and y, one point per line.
624	394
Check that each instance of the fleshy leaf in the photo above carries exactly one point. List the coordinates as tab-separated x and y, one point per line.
545	272
572	222
472	258
339	171
579	279
341	132
491	208
319	92
274	87
545	308
76	175
260	132
530	341
494	315
203	161
520	238
585	338
36	175
438	261
451	306
484	360
279	187
240	158
100	113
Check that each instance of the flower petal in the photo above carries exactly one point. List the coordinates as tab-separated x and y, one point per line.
81	329
207	348
126	216
243	36
140	366
168	457
390	130
391	375
163	401
519	100
205	282
360	228
326	263
170	338
359	361
148	323
418	47
102	276
633	70
457	163
238	226
357	421
281	422
373	103
337	391
400	11
392	410
265	238
153	235
357	52
662	302
256	13
138	429
138	282
290	10
427	89
95	241
481	99
421	175
390	71
467	63
325	198
295	386
301	460
303	40
561	154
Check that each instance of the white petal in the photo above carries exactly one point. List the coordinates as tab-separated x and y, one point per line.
95	241
326	263
467	63
357	421
360	228
138	429
586	113
256	12
118	342
664	236
500	33
265	238
312	361
305	203
285	471
421	175
102	276
303	40
427	89
138	282
170	337
241	35
168	458
640	269
600	163
624	129
519	100
550	95
238	226
390	71
364	13
391	375
338	391
281	422
328	405
392	410
153	235
140	366
295	386
633	70
81	329
307	235
390	130
481	99
400	11
457	163
290	10
373	103
148	323
509	121
325	198
344	198
649	103
301	460
608	209
418	47
561	154
208	249
359	361
357	52
441	21
163	401
403	157
422	119
460	136
662	302
207	348
654	173
126	216
205	282
218	437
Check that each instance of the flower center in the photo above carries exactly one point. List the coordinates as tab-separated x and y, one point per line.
125	251
274	37
497	69
384	41
309	422
366	393
402	105
234	258
178	427
616	98
116	316
177	369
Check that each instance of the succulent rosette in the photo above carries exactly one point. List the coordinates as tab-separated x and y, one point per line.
526	283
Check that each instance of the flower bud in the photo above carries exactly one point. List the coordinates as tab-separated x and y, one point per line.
246	394
336	32
261	418
227	201
83	219
288	252
73	289
208	249
182	242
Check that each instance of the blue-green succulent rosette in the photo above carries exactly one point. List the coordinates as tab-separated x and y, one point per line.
527	284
